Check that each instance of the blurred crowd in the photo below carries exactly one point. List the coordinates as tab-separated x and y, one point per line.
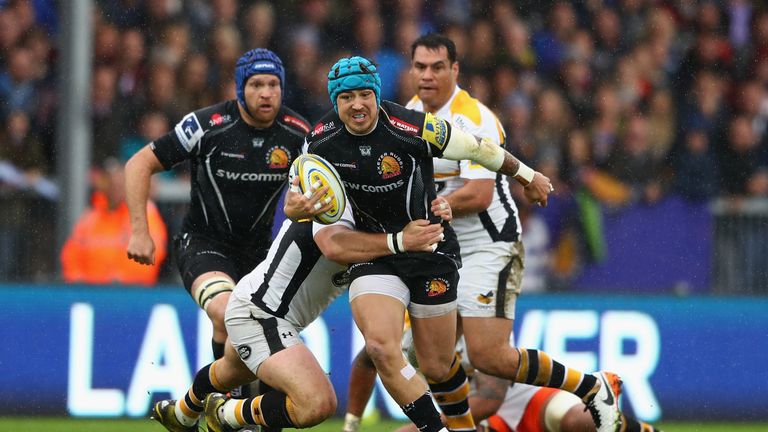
619	102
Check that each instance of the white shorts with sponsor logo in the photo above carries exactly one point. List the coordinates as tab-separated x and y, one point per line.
255	334
490	280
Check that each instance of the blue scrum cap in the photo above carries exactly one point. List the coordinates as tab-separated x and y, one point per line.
351	74
254	62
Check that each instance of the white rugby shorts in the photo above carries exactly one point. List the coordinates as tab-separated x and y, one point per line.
490	279
255	334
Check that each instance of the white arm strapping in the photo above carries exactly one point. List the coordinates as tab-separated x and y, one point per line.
465	146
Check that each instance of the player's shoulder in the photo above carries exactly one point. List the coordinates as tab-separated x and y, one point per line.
293	120
216	116
328	124
191	129
402	119
471	115
464	105
415	103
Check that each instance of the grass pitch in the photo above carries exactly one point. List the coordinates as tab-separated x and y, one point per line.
60	424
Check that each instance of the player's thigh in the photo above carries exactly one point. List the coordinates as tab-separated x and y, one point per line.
490	280
296	372
230	371
378	305
256	335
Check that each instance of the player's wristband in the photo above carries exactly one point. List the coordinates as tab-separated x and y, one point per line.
391	243
395	242
525	172
399	243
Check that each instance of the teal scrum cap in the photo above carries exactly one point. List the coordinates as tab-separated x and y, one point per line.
351	74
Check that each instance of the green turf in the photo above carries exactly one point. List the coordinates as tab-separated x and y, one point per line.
83	425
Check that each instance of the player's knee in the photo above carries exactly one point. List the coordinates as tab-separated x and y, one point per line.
436	370
211	294
489	360
386	355
316	409
363	360
216	310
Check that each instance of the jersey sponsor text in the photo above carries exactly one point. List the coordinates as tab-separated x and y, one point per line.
389	187
250	176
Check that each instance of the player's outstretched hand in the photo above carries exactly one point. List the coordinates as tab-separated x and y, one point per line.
141	249
300	206
538	190
422	236
441	208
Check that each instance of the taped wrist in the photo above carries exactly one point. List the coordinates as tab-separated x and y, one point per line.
395	242
525	172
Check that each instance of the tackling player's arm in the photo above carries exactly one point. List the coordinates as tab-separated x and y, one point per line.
138	172
473	197
345	245
340	242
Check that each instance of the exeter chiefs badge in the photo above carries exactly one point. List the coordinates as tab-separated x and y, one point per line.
278	157
436	287
389	165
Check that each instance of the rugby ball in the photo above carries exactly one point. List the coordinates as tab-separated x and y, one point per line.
311	170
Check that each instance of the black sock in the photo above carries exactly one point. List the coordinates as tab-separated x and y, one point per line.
423	414
201	387
264	388
218	349
271	409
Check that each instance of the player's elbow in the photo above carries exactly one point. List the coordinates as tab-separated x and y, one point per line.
144	161
337	254
332	249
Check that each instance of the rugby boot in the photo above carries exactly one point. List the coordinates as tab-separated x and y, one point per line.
604	405
163	412
213	402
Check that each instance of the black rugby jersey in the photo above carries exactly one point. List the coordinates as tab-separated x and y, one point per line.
238	171
388	173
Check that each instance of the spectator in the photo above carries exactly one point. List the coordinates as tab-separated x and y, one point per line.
697	170
743	165
131	68
193	86
107	116
662	120
259	24
17	84
22	163
369	40
95	251
634	163
106	44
